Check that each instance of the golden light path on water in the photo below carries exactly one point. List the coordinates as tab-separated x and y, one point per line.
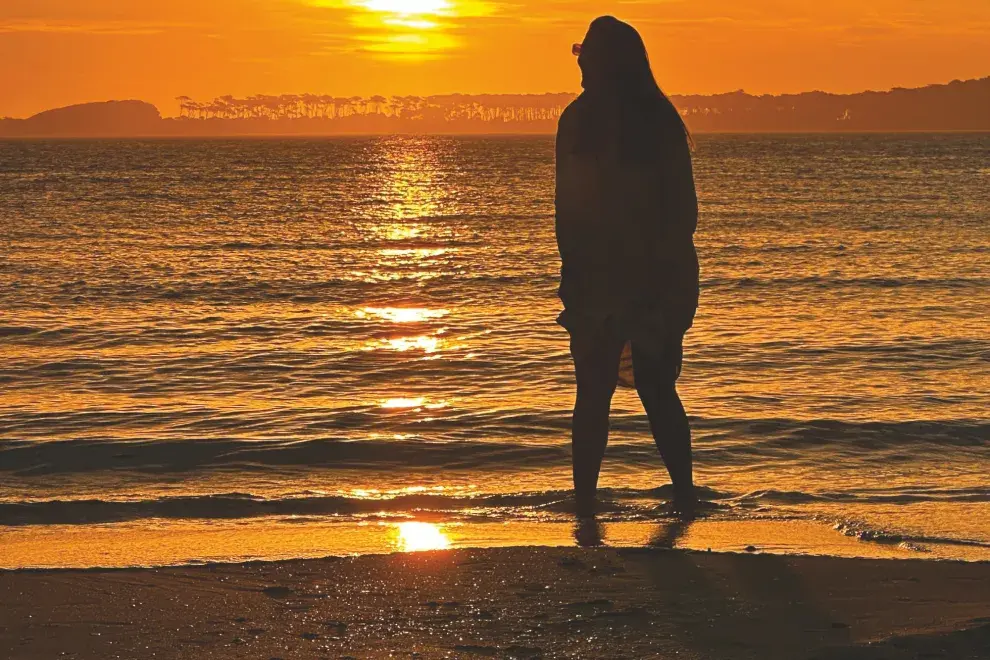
411	188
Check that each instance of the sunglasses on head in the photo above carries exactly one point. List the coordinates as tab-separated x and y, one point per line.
576	50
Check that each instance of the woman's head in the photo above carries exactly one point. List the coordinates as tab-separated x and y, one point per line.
613	59
623	98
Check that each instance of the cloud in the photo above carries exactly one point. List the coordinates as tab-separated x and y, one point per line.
87	27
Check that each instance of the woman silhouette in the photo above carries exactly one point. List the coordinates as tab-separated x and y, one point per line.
626	215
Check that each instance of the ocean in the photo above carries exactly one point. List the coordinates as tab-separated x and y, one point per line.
218	350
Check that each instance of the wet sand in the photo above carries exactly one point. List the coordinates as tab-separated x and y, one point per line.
506	603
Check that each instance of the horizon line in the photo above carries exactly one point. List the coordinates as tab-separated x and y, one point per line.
469	94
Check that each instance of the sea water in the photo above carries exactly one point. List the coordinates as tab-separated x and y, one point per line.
274	348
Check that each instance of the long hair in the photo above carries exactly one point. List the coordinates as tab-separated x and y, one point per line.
623	106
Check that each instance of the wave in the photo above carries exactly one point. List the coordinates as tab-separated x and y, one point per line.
915	541
166	456
243	505
358	285
951	350
719	442
616	504
893	496
445	283
301	246
18	330
832	283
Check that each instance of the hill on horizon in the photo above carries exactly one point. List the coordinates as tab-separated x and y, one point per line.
958	105
102	119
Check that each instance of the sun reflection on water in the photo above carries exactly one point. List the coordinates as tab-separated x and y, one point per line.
378	494
414	252
413	184
404	402
399	232
402	314
426	343
418	402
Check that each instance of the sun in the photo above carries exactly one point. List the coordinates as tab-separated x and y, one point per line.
408	7
411	30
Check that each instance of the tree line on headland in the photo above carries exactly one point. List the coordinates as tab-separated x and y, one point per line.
451	108
959	105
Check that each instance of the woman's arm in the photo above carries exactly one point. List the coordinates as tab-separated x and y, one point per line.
565	193
680	199
679	209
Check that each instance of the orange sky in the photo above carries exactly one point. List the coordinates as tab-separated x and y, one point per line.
57	52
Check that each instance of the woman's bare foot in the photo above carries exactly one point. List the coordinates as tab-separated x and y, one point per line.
585	504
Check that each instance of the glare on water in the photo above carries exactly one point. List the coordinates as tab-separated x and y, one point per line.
402	314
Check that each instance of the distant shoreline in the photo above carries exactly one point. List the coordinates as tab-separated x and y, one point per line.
547	134
959	106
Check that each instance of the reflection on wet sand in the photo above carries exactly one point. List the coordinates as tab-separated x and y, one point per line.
589	533
669	535
420	536
181	541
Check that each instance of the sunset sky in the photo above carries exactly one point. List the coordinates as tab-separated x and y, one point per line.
57	52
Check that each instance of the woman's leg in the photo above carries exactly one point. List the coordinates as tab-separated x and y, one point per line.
596	365
656	382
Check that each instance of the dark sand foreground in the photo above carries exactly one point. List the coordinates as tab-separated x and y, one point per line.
506	603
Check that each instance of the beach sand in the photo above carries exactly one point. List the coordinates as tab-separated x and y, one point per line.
506	603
